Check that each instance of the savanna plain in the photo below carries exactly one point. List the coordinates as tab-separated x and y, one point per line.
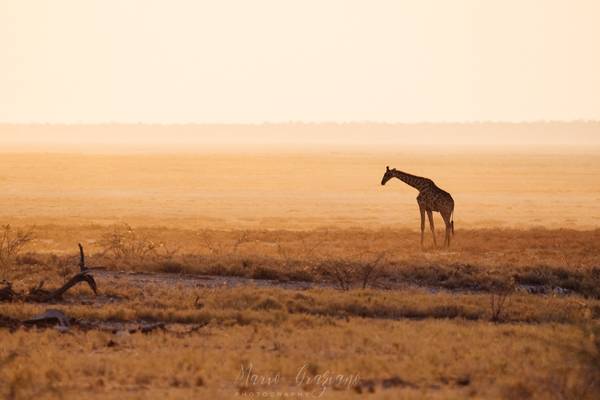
297	275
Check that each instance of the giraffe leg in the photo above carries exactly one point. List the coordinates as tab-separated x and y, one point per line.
422	210
448	230
431	225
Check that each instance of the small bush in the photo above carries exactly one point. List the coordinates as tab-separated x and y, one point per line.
348	273
265	273
500	299
268	304
125	244
30	259
172	267
12	243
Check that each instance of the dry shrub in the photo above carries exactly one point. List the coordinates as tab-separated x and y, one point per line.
30	258
302	249
265	273
12	243
343	273
361	270
172	267
501	290
125	244
218	244
451	276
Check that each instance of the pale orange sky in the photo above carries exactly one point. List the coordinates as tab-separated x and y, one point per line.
253	61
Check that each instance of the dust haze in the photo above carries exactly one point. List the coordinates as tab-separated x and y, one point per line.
300	176
556	137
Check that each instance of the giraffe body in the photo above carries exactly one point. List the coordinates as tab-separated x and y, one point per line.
430	199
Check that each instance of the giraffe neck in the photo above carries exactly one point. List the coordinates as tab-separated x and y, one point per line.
417	182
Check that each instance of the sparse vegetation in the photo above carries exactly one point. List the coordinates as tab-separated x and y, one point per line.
346	258
39	294
124	244
410	336
500	300
359	271
12	243
407	313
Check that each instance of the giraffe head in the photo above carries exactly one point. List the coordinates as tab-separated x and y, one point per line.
389	174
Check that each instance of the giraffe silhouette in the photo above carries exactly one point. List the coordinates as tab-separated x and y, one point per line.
431	198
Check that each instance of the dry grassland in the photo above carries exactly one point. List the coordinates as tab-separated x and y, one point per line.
424	326
299	276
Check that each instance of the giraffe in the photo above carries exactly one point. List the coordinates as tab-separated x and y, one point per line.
431	198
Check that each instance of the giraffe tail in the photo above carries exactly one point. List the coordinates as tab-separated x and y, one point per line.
452	222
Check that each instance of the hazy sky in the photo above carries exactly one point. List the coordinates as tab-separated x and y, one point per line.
323	60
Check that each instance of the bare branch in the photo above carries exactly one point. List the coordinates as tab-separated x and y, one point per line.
82	266
41	295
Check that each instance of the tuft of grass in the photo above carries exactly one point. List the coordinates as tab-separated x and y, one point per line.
172	267
260	272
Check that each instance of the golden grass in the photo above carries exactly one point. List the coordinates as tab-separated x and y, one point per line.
478	259
434	359
412	342
123	301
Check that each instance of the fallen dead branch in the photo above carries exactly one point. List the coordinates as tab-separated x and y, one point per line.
38	294
10	323
57	319
6	293
50	318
